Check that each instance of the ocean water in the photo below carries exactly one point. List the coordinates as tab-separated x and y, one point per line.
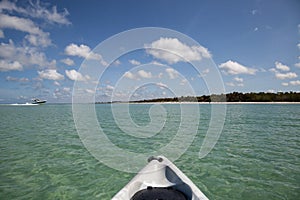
256	157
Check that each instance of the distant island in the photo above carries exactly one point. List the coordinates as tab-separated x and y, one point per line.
230	97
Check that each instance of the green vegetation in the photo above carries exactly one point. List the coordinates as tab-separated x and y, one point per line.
230	97
233	97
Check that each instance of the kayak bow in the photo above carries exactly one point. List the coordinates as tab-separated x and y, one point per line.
160	179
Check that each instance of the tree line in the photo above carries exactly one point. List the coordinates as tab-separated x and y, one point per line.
232	97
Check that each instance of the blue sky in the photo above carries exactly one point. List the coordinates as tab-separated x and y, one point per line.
254	44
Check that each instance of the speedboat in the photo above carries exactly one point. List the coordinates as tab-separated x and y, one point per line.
160	179
38	101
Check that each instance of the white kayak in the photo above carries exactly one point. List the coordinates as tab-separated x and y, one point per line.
160	179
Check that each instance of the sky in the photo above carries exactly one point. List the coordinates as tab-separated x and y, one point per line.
254	44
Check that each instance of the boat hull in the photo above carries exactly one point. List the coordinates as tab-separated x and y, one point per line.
160	179
39	102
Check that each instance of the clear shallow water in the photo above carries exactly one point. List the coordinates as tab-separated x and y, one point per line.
256	157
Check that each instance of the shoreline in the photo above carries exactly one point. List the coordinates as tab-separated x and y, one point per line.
204	103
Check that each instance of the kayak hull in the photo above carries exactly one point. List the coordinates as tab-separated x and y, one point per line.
160	179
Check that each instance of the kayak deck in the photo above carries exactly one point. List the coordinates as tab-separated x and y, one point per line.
160	179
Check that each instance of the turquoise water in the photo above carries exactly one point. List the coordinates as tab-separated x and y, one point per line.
257	155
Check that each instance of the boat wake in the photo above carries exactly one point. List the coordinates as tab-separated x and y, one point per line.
23	104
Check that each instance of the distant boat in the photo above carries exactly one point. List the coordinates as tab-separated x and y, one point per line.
38	101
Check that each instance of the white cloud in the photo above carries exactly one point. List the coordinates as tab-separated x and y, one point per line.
39	40
50	74
297	82
271	91
298	45
144	74
285	84
161	85
138	75
56	83
66	89
172	51
90	91
172	73
82	51
68	61
129	75
231	84
9	66
156	63
20	24
254	12
183	81
279	75
134	62
26	56
36	37
15	79
109	87
297	64
255	29
281	66
76	76
288	75
235	68
237	79
117	62
36	10
160	75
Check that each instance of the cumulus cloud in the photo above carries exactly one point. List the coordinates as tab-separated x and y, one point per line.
110	87
9	66
76	76
283	75
134	62
83	51
138	75
25	56
68	61
129	75
288	75
237	79
144	74
90	91
297	64
19	18
50	74
172	73
173	50
235	68
297	82
281	66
